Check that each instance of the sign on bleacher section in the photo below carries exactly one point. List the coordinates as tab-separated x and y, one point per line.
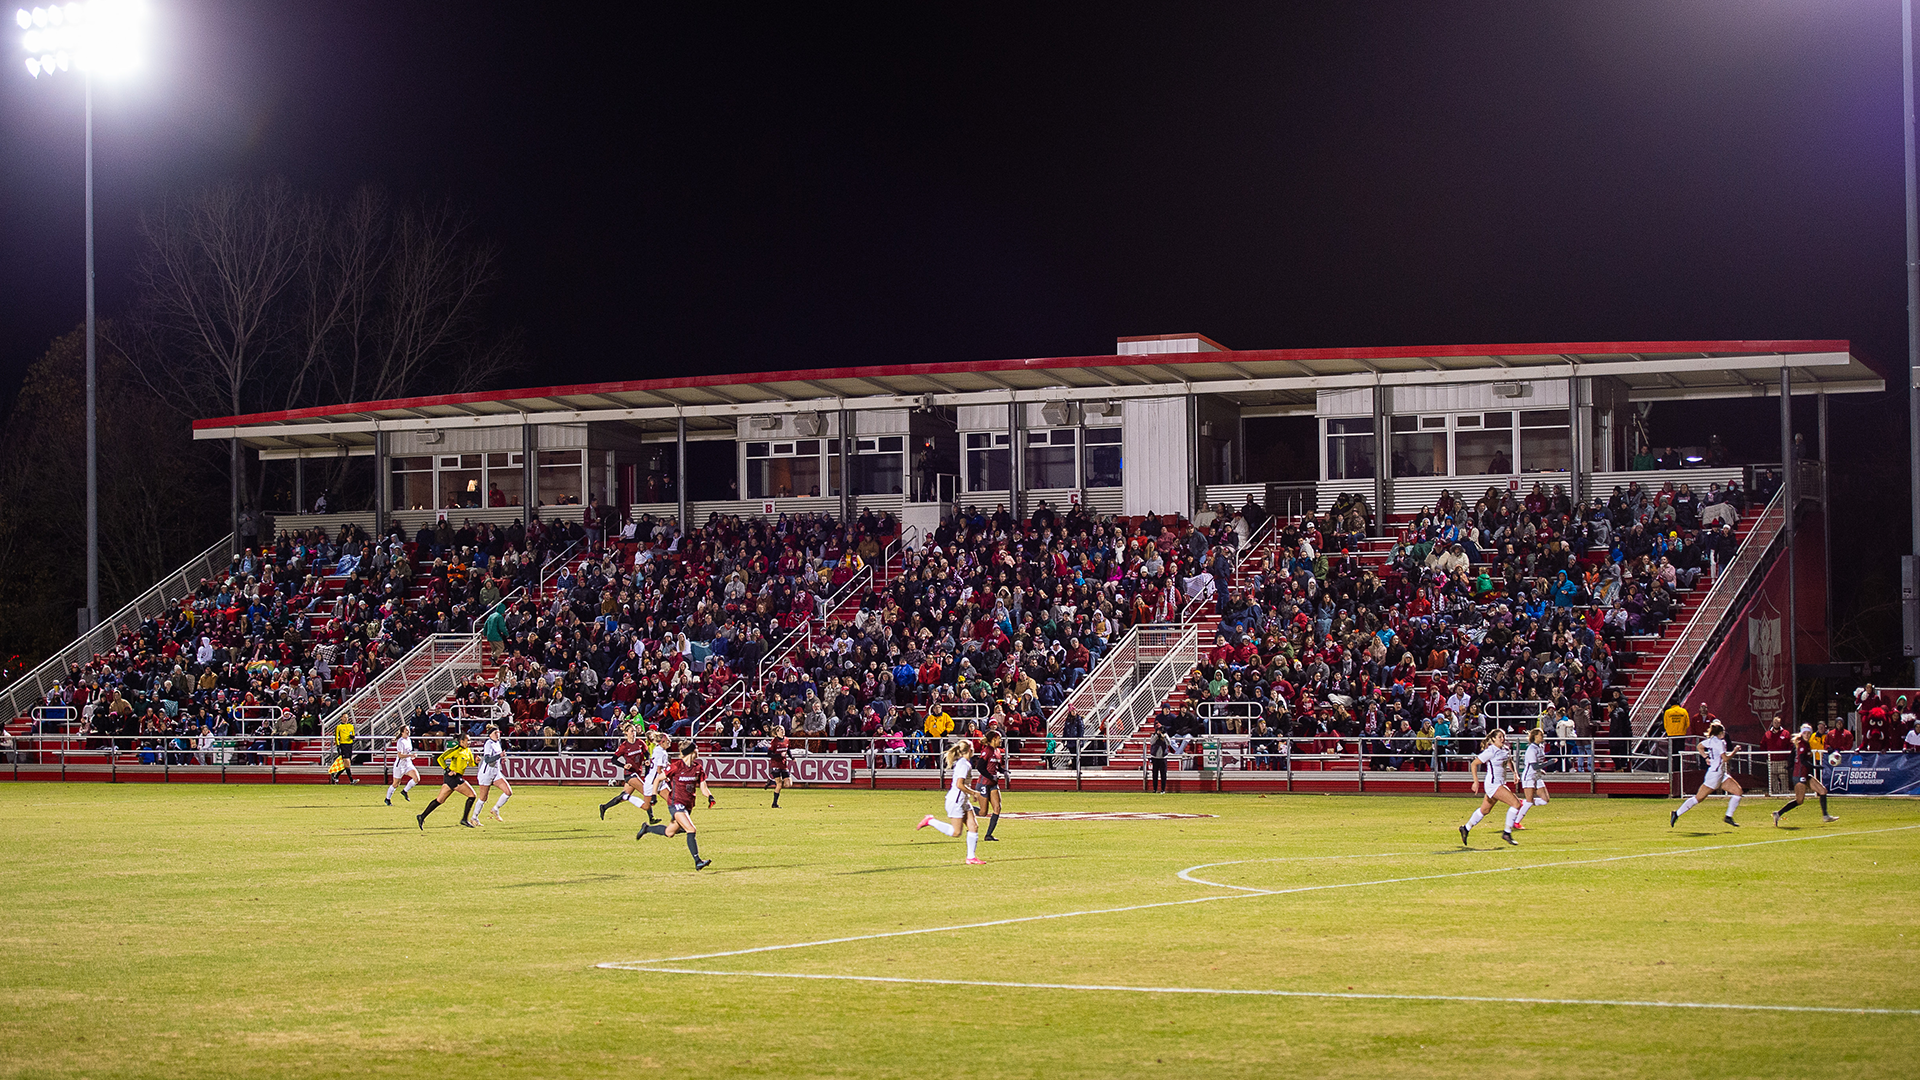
727	769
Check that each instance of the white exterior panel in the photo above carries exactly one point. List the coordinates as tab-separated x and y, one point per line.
1153	449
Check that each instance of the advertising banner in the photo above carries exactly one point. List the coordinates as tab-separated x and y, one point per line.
1747	683
1875	774
724	769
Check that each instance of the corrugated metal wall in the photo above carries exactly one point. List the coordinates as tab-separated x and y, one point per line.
1154	451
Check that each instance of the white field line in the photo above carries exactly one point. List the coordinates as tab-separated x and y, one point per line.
1227	992
1248	892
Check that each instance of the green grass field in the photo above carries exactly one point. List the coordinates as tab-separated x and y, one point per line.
189	931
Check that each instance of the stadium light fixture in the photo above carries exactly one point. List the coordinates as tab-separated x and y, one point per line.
99	38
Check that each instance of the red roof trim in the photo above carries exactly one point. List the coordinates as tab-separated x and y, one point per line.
1032	364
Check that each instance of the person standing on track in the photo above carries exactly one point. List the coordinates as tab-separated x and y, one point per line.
403	765
454	762
779	763
686	780
1494	755
630	757
1533	775
1806	773
993	775
493	769
1713	747
1157	752
959	802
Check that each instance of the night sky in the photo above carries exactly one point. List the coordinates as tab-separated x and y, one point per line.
689	188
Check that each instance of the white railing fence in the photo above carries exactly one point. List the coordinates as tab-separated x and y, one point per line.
31	689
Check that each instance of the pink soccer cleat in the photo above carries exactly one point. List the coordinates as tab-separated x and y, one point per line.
924	822
971	861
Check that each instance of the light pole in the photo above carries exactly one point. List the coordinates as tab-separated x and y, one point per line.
1913	298
99	37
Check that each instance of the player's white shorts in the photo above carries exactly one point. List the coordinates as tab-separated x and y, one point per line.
649	786
1715	779
405	767
487	776
956	805
1531	779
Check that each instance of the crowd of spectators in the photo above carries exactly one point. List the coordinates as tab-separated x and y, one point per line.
986	622
1506	598
266	649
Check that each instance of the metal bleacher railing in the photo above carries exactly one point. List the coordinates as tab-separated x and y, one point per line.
30	689
1689	651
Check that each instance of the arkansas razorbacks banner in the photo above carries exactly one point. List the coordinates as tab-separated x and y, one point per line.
1747	683
721	769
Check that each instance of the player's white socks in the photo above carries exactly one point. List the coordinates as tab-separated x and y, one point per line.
502	800
1686	806
1522	815
1478	815
1541	801
1513	815
637	801
944	827
389	792
973	844
1733	803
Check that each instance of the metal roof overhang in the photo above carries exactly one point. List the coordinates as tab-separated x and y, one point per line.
1272	380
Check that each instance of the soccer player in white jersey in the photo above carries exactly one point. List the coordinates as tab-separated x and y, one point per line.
1714	748
1533	775
1494	756
493	767
959	801
402	766
659	760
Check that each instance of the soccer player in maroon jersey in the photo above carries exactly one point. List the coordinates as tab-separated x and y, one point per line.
779	763
993	764
686	779
630	755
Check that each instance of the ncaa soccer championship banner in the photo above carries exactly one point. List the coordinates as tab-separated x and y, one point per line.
1875	774
727	769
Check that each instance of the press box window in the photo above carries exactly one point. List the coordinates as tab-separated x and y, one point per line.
1545	445
989	461
1050	459
1350	449
1103	457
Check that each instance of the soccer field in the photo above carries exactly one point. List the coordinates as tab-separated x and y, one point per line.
204	931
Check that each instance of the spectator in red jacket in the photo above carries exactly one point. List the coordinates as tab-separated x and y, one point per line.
1778	744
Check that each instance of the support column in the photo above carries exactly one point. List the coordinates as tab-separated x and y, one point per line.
846	466
1382	460
680	471
1826	521
1574	458
300	482
1787	496
1194	502
382	483
529	472
1014	459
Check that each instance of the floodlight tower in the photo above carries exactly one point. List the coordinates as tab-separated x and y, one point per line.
100	37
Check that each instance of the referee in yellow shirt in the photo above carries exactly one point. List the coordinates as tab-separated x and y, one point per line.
454	762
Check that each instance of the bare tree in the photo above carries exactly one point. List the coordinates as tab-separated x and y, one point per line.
256	297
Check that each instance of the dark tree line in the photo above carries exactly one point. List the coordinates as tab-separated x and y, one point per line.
250	297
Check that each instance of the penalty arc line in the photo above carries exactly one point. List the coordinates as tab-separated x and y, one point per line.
1231	992
1247	894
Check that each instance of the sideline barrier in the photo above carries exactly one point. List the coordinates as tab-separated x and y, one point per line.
1244	763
